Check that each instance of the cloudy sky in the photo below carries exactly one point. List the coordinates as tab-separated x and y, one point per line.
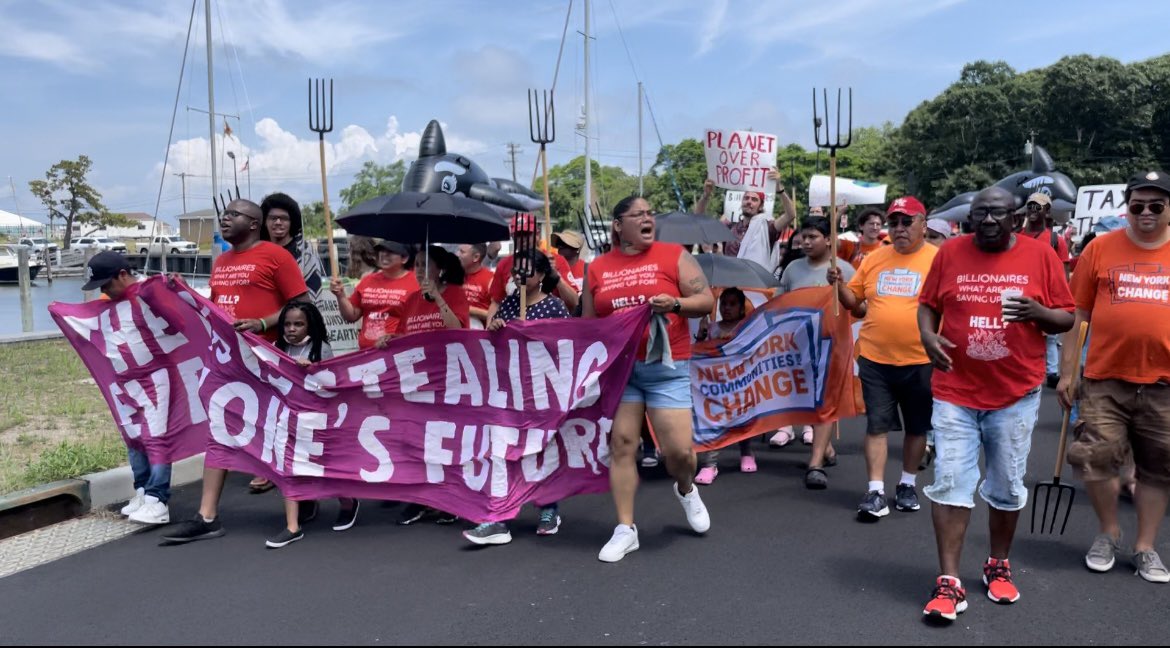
100	77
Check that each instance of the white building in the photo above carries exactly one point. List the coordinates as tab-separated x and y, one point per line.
15	226
141	225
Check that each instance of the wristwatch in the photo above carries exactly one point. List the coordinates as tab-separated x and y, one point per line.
677	307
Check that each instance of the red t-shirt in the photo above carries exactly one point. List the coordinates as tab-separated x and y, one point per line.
381	300
256	283
420	315
618	281
994	363
477	287
1046	237
576	275
503	276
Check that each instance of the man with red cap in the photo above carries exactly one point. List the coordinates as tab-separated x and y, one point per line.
524	235
894	369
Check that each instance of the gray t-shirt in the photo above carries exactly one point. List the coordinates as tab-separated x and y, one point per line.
801	274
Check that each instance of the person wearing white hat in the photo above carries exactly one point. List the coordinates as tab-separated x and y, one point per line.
937	231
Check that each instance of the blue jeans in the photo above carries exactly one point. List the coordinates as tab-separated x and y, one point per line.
659	386
1052	355
155	479
1005	436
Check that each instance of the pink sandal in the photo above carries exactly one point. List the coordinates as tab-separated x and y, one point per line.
707	474
807	435
747	464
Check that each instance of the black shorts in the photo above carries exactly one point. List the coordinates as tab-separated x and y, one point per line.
886	388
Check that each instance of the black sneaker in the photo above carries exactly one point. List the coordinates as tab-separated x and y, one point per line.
284	538
906	498
194	529
346	517
489	533
411	514
443	517
307	511
873	507
550	521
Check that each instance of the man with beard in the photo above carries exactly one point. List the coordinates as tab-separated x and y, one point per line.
996	295
251	283
755	243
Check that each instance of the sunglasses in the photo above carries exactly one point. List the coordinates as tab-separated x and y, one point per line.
997	213
1035	207
1156	208
904	221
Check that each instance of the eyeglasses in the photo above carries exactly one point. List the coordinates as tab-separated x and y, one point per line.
983	212
1156	208
272	218
645	213
905	221
1035	207
231	213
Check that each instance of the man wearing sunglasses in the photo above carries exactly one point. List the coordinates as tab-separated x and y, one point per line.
1122	286
1038	225
894	369
988	301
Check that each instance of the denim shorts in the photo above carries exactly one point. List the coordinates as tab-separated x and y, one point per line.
1005	436
659	386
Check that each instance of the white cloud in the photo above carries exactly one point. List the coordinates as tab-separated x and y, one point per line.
712	28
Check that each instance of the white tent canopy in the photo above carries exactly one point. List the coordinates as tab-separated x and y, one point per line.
12	224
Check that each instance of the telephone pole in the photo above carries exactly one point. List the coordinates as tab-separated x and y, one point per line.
513	149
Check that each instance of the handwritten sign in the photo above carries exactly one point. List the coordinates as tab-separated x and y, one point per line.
1095	202
733	203
739	160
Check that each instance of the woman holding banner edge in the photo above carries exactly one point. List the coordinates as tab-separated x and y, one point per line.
640	270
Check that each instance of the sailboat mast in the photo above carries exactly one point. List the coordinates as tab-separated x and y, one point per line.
211	114
588	164
640	192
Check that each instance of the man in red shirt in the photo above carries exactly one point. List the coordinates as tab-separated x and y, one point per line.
996	295
1038	225
477	282
524	226
252	282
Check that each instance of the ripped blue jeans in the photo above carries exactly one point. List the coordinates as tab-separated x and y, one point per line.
1005	436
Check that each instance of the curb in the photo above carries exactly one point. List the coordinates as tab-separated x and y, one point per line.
47	504
35	336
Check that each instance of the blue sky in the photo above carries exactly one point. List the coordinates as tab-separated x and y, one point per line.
100	77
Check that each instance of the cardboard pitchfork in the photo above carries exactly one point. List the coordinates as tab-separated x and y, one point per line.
1046	490
833	142
522	266
542	129
321	122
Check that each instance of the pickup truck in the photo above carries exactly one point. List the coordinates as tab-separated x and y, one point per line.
171	244
99	243
38	243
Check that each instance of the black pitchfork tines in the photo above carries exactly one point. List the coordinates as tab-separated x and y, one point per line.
221	204
828	138
523	245
320	108
542	117
596	229
1045	491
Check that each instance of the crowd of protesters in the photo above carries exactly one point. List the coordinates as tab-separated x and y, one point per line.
957	333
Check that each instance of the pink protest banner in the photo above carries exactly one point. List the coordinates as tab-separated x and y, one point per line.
469	422
740	160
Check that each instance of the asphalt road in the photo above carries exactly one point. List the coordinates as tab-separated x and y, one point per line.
781	565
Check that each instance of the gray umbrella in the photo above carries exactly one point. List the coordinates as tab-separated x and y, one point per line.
727	272
690	229
411	217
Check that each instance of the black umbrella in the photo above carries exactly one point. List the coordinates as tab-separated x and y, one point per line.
690	229
727	272
411	217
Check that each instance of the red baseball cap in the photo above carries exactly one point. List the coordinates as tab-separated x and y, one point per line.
758	194
908	205
522	222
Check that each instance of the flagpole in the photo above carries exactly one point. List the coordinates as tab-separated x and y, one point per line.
211	119
248	168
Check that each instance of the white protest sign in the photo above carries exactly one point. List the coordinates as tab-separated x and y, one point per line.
853	192
1096	201
739	160
343	335
733	202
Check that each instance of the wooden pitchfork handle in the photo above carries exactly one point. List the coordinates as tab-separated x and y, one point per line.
1082	333
328	216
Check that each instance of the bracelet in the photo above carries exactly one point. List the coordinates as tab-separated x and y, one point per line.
263	325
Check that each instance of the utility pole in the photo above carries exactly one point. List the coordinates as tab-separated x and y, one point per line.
513	149
183	178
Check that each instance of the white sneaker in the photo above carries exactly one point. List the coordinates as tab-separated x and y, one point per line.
135	502
624	540
152	512
693	506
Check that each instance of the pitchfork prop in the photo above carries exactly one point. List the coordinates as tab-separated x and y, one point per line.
1046	490
833	142
321	122
597	230
522	267
542	129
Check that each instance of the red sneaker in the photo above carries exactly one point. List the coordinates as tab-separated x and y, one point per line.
997	576
948	601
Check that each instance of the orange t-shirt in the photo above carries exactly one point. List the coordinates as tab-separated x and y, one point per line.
381	300
618	281
890	284
1126	288
854	251
476	287
420	315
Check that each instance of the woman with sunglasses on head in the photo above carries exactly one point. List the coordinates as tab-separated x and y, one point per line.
671	282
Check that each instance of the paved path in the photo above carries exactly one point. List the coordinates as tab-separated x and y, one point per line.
781	565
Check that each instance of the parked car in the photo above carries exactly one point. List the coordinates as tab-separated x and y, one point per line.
172	245
38	243
100	243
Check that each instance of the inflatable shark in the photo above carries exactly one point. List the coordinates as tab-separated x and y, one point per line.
437	171
1042	177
